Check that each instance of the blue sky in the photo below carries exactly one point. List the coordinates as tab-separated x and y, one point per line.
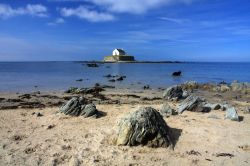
184	30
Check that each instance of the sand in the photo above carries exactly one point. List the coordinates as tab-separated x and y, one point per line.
57	139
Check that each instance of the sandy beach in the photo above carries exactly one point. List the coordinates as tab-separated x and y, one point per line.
52	138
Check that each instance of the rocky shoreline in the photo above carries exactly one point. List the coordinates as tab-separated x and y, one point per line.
103	94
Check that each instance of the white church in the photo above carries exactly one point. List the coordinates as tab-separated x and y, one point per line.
119	55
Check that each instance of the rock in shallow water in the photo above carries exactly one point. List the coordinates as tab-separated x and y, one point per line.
144	127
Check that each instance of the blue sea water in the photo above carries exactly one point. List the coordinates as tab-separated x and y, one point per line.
58	76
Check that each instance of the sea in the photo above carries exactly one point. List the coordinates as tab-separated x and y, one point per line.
59	76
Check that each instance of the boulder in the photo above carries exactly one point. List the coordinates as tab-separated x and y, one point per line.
231	113
144	127
173	92
166	110
193	103
89	110
213	106
73	107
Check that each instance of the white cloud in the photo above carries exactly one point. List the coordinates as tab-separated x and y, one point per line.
57	21
84	13
174	20
129	6
37	10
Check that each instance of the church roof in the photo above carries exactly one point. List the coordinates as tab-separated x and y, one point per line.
120	50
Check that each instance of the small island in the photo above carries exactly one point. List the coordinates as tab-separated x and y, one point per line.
119	55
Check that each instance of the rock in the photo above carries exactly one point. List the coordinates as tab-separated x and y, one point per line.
231	113
166	110
190	85
146	87
76	107
213	106
97	85
74	161
71	90
93	90
222	83
112	80
108	86
79	80
25	96
39	114
89	110
202	108
185	94
51	126
224	88
193	103
173	92
119	79
92	65
237	86
177	73
246	110
108	76
73	107
144	127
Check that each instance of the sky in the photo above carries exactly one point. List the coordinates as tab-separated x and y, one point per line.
175	30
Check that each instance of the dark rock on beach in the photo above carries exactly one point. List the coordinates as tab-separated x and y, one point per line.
89	110
144	127
213	106
73	107
173	92
76	107
193	103
167	111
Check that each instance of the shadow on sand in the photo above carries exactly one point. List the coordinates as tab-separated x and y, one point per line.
175	134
